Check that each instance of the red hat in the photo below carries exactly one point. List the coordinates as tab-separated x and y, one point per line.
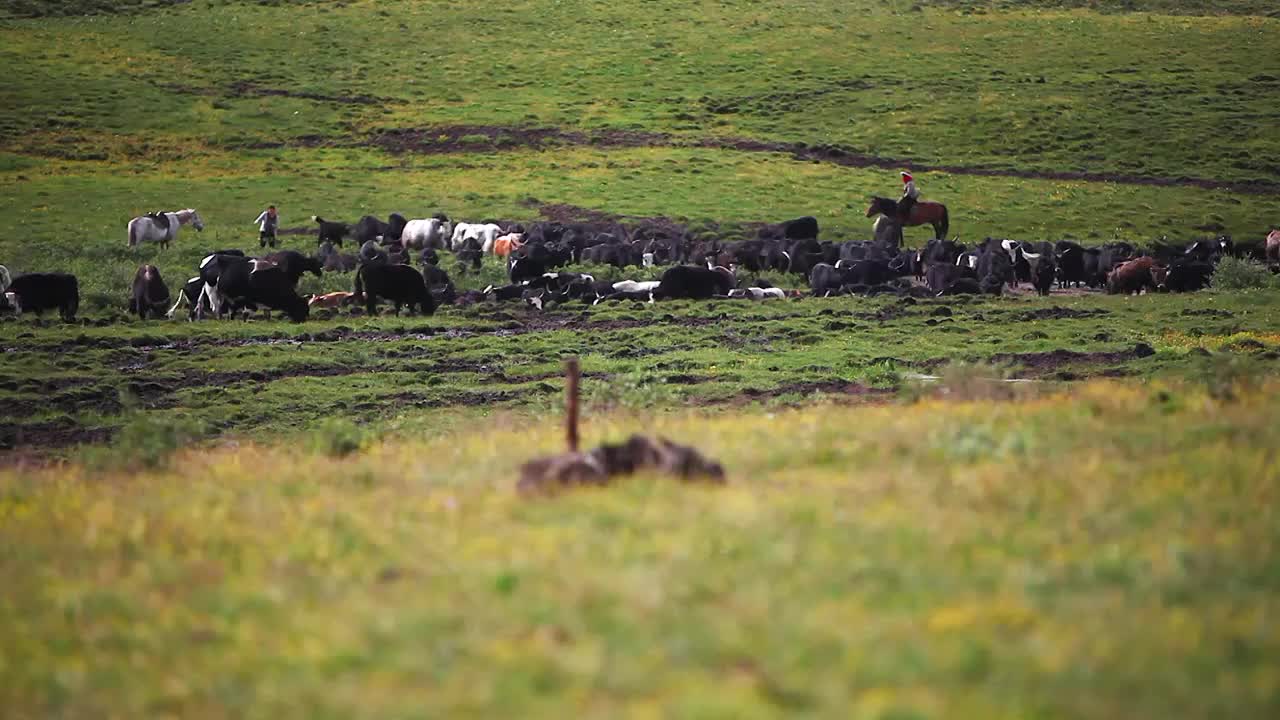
905	176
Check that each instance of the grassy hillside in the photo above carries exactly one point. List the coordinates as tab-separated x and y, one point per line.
264	519
1108	553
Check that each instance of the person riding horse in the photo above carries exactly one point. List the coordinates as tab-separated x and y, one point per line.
910	195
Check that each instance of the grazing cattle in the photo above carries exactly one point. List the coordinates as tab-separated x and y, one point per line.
193	295
619	256
330	301
995	269
333	261
1184	276
523	269
939	275
439	284
1112	254
371	253
1070	259
470	252
246	284
150	294
697	283
962	286
294	264
37	292
371	228
804	228
1273	247
1131	277
400	284
427	233
332	232
507	244
866	272
1044	271
486	233
939	250
1210	251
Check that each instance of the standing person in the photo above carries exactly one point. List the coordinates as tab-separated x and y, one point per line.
910	195
267	223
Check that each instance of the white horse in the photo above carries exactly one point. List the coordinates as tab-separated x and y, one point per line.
146	229
5	278
430	232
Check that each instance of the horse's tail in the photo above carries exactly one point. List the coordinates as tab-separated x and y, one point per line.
359	289
133	233
946	222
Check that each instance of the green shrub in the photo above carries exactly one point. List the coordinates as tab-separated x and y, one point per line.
1242	274
337	438
146	440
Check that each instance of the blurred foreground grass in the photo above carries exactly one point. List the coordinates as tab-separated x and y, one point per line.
1110	552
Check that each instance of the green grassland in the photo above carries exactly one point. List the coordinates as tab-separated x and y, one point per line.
267	519
1105	553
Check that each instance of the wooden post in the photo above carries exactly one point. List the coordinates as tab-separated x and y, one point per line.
571	372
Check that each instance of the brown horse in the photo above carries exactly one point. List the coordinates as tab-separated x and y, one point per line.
933	213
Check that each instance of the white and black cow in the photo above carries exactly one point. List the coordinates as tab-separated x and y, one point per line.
252	284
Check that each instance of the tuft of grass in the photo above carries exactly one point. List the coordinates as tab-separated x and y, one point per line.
337	437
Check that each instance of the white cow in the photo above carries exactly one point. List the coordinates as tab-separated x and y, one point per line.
486	233
425	233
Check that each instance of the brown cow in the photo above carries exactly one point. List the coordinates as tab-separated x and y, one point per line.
1273	247
1131	277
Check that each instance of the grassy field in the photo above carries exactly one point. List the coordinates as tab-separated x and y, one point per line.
267	519
1109	552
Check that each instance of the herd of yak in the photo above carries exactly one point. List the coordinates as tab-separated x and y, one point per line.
702	267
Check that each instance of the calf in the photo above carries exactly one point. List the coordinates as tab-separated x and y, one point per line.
37	292
194	296
963	286
331	301
1131	277
439	284
400	284
150	294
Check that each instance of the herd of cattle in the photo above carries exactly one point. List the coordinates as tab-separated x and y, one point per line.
229	282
